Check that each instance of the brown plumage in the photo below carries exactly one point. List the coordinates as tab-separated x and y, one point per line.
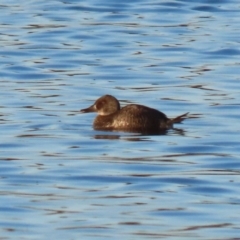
131	118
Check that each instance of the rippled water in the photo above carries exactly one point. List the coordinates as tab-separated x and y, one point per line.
60	178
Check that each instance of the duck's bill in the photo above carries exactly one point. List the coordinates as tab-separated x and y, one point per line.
87	110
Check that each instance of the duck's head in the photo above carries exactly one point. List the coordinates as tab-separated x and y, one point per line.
105	105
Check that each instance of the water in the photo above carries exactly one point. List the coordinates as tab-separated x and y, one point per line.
60	178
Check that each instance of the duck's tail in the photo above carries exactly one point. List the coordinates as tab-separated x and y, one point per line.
179	119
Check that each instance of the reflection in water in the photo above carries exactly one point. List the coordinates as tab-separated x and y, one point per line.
140	136
111	137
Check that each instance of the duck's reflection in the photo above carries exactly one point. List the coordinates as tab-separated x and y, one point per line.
134	136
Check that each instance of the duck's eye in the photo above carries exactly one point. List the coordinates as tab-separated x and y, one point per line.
100	104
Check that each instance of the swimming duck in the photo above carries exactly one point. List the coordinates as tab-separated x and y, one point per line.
131	118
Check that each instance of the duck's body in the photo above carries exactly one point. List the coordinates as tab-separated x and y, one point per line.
131	118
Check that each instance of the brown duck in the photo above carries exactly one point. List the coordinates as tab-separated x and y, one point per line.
131	118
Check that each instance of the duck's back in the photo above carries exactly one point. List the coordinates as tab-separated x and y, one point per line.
135	117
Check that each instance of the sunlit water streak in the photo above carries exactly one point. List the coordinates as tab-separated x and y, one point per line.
62	179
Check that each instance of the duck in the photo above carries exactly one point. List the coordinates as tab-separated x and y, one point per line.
130	118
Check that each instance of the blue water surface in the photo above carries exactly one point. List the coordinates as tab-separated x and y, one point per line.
62	179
